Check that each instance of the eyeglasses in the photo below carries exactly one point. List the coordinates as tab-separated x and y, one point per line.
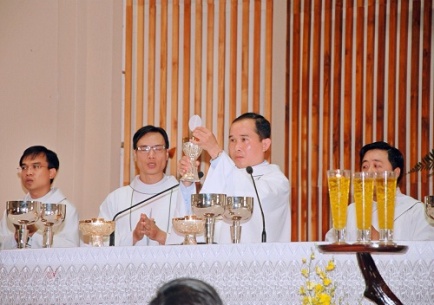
35	167
155	148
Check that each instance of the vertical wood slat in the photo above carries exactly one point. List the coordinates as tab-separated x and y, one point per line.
427	85
245	55
139	63
326	106
414	88
357	71
163	62
174	97
128	90
297	215
186	74
315	189
151	62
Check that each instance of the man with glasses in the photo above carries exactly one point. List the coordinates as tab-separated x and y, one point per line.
38	167
148	223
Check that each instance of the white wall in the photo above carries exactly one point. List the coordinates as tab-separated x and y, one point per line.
61	86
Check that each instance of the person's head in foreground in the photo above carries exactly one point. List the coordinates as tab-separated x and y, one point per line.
186	291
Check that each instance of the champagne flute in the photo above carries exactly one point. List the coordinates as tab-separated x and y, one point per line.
339	189
363	183
385	184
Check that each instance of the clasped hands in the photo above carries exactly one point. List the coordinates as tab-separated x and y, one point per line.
147	227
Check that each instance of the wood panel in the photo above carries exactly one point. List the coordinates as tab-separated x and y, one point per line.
356	71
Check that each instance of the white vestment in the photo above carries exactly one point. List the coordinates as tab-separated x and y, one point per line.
66	234
273	188
410	221
161	208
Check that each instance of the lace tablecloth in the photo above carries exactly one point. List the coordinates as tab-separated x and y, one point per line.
242	274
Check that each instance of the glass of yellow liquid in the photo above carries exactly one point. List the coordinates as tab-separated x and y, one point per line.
385	184
363	184
339	188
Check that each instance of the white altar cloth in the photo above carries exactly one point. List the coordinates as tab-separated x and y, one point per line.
242	274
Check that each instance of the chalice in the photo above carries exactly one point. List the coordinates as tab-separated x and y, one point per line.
51	214
208	206
22	214
97	229
238	210
429	206
189	226
192	151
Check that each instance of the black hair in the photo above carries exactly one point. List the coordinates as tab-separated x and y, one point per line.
50	156
263	127
186	291
394	155
147	129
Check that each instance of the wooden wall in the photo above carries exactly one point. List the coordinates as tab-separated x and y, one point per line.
355	72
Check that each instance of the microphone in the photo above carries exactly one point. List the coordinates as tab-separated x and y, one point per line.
249	170
112	236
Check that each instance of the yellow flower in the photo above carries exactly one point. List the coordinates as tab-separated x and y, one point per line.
326	281
325	299
318	288
330	266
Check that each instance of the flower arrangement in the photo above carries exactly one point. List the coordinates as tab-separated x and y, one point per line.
318	288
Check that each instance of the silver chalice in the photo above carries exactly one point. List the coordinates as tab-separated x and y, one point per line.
238	210
192	151
51	215
208	206
429	206
22	214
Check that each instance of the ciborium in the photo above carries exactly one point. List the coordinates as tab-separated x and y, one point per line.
209	207
189	226
429	206
22	214
238	210
51	215
96	229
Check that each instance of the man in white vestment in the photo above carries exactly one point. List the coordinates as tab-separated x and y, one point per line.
410	223
149	222
249	140
38	167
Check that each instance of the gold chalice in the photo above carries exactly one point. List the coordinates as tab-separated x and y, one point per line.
189	226
97	228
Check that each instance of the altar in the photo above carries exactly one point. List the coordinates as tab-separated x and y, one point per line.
242	274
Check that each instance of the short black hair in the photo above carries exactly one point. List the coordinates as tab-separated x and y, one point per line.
186	291
50	156
148	129
394	155
263	127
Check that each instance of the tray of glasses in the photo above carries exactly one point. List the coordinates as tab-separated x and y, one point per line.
367	248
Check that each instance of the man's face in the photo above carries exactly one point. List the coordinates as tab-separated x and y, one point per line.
153	162
376	160
35	175
245	147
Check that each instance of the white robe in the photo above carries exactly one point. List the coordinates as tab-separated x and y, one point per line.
161	208
65	235
273	188
410	221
